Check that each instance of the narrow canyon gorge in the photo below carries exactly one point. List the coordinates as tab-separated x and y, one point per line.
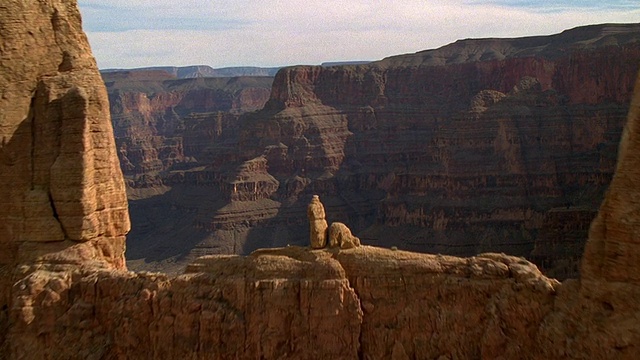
66	293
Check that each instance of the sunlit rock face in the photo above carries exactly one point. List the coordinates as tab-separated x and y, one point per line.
63	199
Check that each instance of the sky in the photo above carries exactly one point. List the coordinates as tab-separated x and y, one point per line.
270	33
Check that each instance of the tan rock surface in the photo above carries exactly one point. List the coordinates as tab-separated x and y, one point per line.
613	250
287	303
340	236
62	198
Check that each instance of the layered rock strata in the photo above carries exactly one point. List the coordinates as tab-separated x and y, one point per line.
162	123
165	129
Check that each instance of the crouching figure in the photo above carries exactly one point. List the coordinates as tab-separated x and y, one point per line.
340	235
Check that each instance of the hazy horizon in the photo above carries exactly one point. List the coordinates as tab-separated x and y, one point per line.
144	33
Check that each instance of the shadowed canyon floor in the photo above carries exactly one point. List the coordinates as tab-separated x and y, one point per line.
65	293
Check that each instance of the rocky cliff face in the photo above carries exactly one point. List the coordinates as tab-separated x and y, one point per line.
71	298
63	199
365	302
291	303
159	121
482	145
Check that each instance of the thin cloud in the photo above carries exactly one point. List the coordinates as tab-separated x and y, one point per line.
275	33
546	6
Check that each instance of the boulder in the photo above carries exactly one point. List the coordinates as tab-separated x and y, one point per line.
340	235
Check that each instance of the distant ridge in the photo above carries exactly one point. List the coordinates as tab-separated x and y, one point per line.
200	71
548	46
341	63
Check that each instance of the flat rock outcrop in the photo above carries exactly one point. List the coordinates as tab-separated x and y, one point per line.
289	303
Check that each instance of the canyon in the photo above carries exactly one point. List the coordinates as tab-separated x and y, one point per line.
65	292
501	145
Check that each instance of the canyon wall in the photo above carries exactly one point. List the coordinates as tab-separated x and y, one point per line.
288	303
457	152
165	129
161	122
71	298
482	145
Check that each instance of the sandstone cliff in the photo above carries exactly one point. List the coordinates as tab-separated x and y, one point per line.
289	303
472	147
62	200
71	298
482	145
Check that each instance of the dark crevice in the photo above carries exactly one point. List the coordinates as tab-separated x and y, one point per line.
53	207
31	119
56	215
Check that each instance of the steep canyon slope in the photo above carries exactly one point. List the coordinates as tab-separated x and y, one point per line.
71	298
481	145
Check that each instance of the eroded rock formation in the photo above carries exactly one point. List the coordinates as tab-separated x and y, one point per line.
317	223
340	236
62	201
67	296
